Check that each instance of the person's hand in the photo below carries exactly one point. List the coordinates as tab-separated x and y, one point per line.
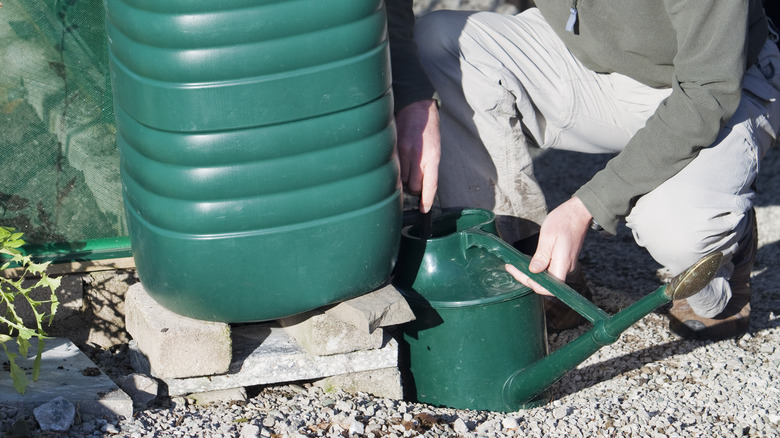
560	242
419	150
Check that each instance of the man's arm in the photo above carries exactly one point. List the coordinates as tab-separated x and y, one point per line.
410	83
417	117
706	87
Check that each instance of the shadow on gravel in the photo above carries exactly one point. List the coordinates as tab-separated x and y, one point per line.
768	180
764	308
765	303
585	377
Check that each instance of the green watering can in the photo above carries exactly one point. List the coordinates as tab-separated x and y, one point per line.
479	339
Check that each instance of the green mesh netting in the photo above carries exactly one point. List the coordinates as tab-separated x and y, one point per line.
59	165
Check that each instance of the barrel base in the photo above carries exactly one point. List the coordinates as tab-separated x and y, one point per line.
267	274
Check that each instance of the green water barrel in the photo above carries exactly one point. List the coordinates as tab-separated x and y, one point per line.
256	142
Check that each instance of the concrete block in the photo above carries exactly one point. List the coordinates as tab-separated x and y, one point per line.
175	346
65	371
264	354
381	308
323	335
385	382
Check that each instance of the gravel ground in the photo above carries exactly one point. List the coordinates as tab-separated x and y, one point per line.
649	383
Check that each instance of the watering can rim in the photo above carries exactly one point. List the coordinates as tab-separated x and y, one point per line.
488	217
474	226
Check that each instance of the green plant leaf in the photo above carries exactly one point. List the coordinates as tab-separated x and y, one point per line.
23	342
5	232
36	268
51	283
17	374
37	363
55	304
13	243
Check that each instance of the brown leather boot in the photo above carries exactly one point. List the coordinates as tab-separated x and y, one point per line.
735	318
558	315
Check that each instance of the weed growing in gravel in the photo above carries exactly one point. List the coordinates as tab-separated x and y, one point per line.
12	289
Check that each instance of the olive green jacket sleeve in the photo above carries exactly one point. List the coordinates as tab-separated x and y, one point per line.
410	84
711	42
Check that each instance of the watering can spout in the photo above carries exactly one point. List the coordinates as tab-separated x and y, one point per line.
526	384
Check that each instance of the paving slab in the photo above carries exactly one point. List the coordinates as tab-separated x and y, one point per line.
265	354
65	371
384	383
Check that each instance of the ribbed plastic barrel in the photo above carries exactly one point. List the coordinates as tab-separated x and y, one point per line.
256	140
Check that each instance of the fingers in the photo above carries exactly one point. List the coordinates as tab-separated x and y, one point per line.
430	183
414	180
430	186
526	280
554	255
541	258
561	239
422	182
419	150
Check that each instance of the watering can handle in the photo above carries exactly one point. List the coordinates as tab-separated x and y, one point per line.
496	246
682	286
